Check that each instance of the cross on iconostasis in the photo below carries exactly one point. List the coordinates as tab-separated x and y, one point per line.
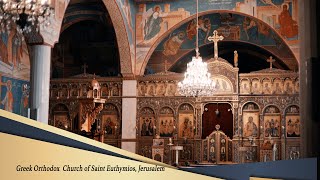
215	38
84	67
271	61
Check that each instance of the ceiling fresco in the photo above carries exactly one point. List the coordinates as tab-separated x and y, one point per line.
155	19
234	28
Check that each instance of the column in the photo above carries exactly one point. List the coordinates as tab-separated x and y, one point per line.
309	62
129	115
40	82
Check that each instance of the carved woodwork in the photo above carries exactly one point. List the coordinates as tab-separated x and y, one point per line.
158	100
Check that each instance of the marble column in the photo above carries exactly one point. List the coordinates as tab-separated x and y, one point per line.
129	115
308	96
40	82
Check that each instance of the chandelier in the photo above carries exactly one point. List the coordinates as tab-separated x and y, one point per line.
197	80
26	15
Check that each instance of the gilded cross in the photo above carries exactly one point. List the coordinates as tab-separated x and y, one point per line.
166	66
215	38
84	67
271	61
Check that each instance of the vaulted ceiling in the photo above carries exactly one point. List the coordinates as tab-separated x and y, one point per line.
87	37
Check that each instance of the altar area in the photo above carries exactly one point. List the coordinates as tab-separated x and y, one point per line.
254	111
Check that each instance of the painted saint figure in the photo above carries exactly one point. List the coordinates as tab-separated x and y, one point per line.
108	128
187	128
172	45
153	24
24	104
8	99
288	26
251	129
251	29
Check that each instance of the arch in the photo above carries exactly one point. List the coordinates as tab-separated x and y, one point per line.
248	102
289	106
180	105
146	107
59	113
126	62
53	108
164	107
114	126
175	27
217	113
207	55
270	105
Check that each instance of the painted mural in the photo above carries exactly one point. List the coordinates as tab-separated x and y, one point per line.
127	9
14	95
234	27
14	57
155	18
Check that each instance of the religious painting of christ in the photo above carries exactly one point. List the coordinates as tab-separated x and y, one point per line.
109	124
147	126
288	26
250	124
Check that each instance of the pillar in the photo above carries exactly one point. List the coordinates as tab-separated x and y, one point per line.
40	82
308	64
129	115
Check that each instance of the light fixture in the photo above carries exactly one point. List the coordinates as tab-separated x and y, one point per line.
197	80
217	111
25	15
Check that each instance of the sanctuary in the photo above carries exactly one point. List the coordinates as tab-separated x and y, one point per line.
111	70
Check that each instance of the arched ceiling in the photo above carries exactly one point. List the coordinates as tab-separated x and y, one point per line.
251	57
87	37
253	38
78	11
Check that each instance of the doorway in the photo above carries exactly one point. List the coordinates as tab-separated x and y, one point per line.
217	113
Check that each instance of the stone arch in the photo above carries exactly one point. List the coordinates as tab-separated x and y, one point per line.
113	9
175	27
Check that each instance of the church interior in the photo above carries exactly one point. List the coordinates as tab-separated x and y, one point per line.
114	70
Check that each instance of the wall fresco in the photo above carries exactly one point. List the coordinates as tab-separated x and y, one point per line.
14	95
128	9
14	57
234	27
153	19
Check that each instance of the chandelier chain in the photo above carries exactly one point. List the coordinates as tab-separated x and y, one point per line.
197	80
